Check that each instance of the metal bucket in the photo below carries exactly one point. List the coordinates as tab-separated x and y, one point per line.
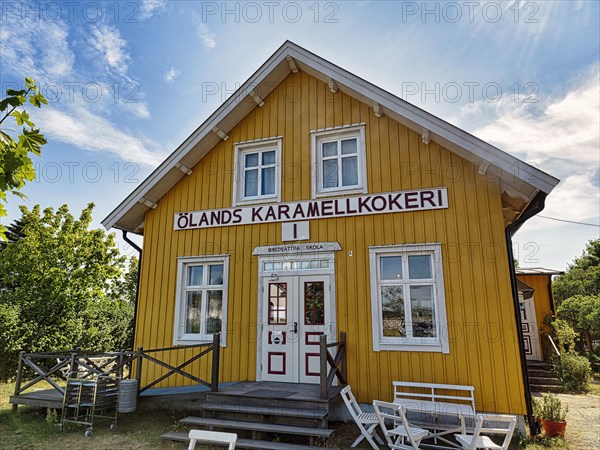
128	396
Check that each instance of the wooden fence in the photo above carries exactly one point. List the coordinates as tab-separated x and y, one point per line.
332	366
52	367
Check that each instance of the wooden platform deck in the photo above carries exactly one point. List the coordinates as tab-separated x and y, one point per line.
277	390
289	392
47	398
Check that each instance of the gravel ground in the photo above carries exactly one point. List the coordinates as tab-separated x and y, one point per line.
583	421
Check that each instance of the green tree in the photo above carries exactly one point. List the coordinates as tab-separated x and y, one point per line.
62	285
582	312
582	276
16	167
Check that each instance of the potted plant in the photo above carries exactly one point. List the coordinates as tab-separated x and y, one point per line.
552	414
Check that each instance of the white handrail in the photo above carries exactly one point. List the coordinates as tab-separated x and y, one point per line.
553	345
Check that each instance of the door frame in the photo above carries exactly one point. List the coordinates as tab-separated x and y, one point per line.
266	275
533	328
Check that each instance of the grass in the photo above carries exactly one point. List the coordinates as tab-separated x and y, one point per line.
36	429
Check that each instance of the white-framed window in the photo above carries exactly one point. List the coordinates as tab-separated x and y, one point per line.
201	303
339	161
257	172
407	298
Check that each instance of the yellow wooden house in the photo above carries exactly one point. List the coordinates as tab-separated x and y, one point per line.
534	287
312	202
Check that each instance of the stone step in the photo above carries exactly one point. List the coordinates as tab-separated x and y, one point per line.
541	373
545	381
546	388
256	427
539	365
245	443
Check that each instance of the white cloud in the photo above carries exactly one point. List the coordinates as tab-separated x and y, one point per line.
559	134
38	49
86	130
149	7
208	38
171	74
112	47
566	128
575	198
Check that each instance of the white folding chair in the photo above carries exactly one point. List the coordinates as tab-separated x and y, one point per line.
477	440
367	422
211	437
401	435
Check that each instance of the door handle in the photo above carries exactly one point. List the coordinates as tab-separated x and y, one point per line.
296	327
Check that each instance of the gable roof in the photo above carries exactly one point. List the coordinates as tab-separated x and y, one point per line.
520	181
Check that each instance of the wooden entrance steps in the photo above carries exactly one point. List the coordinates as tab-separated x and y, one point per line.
275	415
257	427
542	378
246	443
289	416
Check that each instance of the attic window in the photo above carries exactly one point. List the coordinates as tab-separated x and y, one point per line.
339	161
257	172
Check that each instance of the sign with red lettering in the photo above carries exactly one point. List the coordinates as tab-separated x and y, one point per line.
390	202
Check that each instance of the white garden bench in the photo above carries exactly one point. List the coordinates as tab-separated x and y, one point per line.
435	401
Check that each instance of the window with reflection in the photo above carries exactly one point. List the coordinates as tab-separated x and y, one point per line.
201	299
408	293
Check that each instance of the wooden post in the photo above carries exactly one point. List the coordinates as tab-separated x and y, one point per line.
121	363
74	364
344	348
324	364
19	379
138	368
216	354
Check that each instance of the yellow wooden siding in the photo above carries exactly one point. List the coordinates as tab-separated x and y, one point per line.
483	340
541	300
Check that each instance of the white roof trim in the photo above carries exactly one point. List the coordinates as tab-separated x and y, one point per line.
457	140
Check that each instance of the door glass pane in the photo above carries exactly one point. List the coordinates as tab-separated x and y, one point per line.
419	267
251	183
391	267
330	173
329	149
392	308
194	275
314	308
349	146
215	274
268	181
268	157
214	312
277	303
421	305
251	159
349	171
192	312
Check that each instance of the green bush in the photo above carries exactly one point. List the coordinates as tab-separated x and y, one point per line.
575	371
549	407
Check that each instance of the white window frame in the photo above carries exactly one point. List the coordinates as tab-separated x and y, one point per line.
242	148
339	133
179	335
416	344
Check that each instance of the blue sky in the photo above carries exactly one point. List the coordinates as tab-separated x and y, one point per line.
128	81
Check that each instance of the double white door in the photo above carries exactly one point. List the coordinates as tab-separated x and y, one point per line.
296	311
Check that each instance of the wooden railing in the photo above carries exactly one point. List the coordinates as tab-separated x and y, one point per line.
52	367
214	347
332	366
553	345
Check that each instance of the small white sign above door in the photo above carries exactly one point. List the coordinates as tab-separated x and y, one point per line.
286	249
295	231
